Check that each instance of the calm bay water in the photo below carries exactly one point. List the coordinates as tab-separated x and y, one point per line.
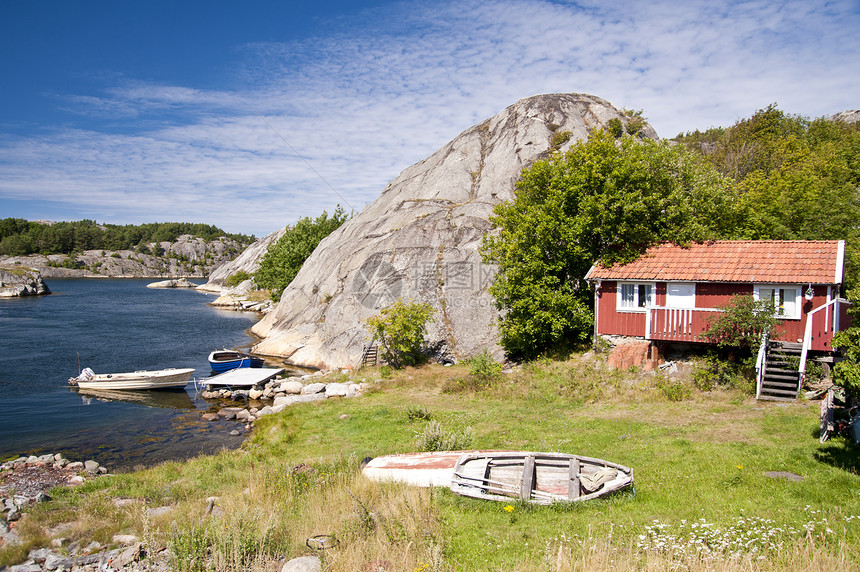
111	326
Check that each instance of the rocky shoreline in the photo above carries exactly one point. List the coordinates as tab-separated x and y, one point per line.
27	480
278	394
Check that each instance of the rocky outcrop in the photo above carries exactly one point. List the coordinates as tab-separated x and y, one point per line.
187	256
248	261
419	240
848	116
178	283
18	281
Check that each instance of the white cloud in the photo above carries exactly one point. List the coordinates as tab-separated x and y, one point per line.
365	101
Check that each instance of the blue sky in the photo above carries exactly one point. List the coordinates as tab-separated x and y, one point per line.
249	115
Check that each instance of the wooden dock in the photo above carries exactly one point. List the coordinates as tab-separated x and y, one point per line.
243	377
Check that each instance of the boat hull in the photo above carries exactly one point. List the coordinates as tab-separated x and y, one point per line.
158	379
540	478
226	360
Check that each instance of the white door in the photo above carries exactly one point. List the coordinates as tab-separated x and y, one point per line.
680	295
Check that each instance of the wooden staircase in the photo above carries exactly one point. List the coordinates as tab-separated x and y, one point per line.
780	378
370	356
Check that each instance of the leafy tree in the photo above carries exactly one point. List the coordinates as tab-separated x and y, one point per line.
846	373
742	323
603	201
797	179
284	259
400	329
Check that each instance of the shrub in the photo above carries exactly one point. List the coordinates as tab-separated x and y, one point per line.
714	372
414	412
615	127
400	330
235	279
673	390
484	368
436	438
559	138
742	322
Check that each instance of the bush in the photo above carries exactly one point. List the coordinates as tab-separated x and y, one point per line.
400	330
436	438
615	127
414	412
673	390
742	322
235	279
484	368
559	138
714	372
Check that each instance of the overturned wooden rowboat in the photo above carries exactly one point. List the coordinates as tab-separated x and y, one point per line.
540	478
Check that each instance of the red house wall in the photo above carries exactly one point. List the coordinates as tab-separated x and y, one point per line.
708	295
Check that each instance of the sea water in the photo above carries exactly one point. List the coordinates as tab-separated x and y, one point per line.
111	325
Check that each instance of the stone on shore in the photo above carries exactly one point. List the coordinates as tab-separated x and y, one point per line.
292	387
336	390
312	388
175	283
303	564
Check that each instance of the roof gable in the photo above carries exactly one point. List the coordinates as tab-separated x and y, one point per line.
748	261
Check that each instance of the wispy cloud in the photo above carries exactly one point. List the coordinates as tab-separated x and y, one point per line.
366	99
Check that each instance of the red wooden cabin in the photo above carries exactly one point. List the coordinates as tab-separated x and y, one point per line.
671	292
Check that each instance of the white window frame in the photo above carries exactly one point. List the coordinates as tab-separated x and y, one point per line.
798	298
619	298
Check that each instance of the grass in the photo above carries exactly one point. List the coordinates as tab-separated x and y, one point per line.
702	500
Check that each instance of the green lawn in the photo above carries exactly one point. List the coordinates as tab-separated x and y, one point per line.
702	498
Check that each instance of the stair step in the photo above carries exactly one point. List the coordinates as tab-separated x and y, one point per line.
764	397
784	392
781	378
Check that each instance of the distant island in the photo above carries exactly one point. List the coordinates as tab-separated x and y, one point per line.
86	249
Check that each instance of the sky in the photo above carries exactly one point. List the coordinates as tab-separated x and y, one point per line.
250	115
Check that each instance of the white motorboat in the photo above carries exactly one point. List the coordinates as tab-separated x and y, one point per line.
154	379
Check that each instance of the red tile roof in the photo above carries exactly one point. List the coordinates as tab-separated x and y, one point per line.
757	261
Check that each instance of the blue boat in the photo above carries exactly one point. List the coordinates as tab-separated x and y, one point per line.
225	360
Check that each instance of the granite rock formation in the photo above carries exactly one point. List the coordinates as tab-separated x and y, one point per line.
419	240
16	281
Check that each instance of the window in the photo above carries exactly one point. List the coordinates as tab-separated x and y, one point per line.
680	295
786	299
634	297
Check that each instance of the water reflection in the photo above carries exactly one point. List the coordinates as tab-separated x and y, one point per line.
176	398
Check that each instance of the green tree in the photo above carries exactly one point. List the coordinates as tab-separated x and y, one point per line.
603	201
846	373
742	323
400	329
284	259
797	179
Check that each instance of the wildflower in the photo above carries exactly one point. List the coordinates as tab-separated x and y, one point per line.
740	466
508	508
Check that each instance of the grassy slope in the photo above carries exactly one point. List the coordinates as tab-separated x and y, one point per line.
699	461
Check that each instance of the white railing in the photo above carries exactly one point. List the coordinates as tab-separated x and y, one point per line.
761	364
807	334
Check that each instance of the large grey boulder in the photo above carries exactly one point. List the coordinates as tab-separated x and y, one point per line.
419	240
18	281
